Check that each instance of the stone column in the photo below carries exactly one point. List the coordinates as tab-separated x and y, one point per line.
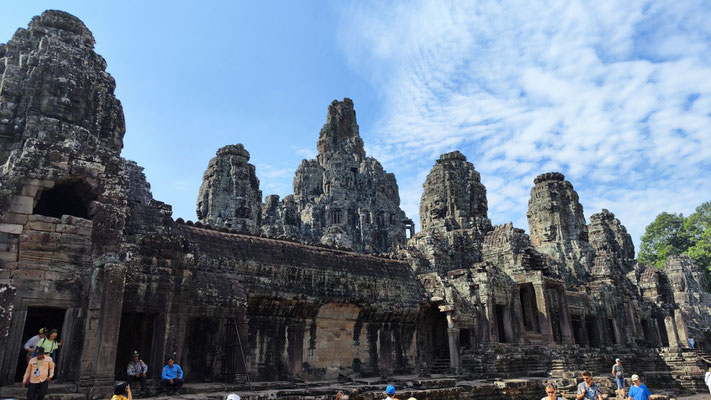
681	329
508	326
544	319
295	335
671	331
453	336
12	325
565	321
657	332
103	322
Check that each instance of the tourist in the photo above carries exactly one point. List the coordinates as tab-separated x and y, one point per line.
691	343
390	392
587	389
638	391
550	393
341	396
233	396
619	376
122	391
137	370
707	379
50	344
39	372
171	378
31	344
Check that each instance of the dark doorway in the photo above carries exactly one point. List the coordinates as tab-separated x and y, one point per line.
501	330
592	332
38	317
663	332
529	308
465	338
72	198
577	329
202	349
136	333
440	340
645	331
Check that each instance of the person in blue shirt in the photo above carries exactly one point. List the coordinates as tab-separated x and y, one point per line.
171	378
638	391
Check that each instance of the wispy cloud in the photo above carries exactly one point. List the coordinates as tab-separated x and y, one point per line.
614	94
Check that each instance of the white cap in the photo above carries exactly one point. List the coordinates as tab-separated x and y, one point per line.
233	396
635	377
617	359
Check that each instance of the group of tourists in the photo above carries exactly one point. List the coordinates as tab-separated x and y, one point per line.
137	371
41	353
589	390
40	371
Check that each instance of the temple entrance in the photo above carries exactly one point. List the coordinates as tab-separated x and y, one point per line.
135	334
440	341
577	329
202	349
465	338
38	317
529	308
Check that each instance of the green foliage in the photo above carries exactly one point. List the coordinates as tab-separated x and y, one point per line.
662	238
673	234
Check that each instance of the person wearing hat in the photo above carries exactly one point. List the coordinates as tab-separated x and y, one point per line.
638	391
619	376
390	392
137	370
39	372
171	378
707	379
32	342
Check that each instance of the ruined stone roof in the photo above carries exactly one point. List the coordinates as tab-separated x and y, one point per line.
270	266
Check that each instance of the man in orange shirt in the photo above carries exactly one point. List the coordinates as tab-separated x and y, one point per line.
39	372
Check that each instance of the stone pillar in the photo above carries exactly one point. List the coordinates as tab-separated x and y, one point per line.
13	326
544	319
565	321
657	333
103	322
681	329
508	326
453	336
671	331
295	335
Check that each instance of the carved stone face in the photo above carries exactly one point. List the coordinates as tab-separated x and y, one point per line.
63	99
438	209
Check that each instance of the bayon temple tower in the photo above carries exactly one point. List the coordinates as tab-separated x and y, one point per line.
330	283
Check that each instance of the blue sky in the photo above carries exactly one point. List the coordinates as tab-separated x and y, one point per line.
616	95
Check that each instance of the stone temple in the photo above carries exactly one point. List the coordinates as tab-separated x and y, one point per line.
328	284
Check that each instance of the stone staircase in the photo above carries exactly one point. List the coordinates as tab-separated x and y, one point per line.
440	365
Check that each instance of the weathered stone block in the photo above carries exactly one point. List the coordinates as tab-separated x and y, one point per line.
40	226
15	218
21	204
11	228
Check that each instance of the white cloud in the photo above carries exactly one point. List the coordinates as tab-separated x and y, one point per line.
614	94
